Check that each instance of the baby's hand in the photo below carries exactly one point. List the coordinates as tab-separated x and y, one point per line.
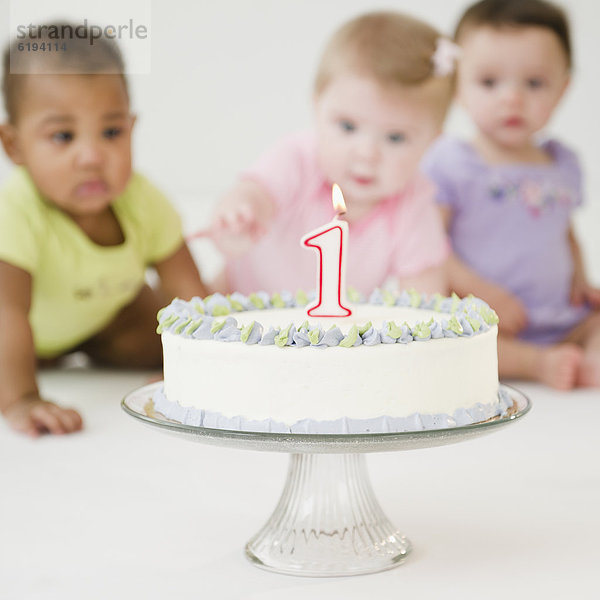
582	292
511	311
34	416
241	218
235	228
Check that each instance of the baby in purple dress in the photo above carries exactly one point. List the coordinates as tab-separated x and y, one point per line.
507	200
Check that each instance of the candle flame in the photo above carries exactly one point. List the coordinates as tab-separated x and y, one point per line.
338	199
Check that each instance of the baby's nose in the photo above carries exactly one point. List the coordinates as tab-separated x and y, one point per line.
513	94
89	154
367	149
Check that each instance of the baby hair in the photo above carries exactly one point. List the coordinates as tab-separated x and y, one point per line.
518	13
393	48
69	50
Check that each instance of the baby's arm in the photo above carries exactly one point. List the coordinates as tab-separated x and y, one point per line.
242	216
464	280
20	401
179	277
431	281
581	290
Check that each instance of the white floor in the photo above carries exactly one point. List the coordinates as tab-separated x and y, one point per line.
124	511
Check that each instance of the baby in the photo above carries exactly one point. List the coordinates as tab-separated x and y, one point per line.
77	227
507	197
381	93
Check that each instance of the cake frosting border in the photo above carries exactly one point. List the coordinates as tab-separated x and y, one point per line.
200	319
384	424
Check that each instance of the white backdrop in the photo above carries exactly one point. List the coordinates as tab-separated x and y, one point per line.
228	78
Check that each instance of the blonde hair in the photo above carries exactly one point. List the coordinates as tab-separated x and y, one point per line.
392	48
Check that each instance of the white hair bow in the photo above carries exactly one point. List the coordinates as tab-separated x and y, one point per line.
444	57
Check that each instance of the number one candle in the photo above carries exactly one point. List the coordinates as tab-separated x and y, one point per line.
331	243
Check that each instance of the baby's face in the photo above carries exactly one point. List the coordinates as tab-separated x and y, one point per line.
371	138
73	134
510	81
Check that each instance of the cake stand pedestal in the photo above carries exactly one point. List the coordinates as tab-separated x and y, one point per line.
328	521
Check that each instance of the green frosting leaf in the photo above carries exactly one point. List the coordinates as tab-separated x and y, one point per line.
237	306
220	311
488	315
277	301
166	323
256	300
160	313
353	294
182	325
198	308
415	298
437	304
246	331
313	335
393	330
351	338
421	330
305	325
193	326
454	325
281	338
364	328
301	298
455	301
388	298
474	323
217	326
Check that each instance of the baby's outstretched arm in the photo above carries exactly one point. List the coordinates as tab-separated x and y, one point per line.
464	280
20	401
242	216
581	290
430	280
179	276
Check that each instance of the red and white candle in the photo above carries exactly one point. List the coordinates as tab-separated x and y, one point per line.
331	243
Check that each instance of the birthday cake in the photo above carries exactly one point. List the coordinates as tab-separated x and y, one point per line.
398	363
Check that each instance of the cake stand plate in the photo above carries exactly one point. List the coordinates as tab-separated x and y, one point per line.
328	521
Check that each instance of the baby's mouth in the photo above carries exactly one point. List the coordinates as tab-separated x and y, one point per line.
362	180
514	122
94	187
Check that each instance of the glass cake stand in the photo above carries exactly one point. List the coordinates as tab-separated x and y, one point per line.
328	521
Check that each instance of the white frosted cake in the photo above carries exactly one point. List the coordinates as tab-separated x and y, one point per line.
399	363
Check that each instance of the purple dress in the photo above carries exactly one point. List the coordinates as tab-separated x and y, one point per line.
510	224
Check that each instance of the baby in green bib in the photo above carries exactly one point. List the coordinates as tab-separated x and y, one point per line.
78	227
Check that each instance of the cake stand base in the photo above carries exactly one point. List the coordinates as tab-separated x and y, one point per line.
328	522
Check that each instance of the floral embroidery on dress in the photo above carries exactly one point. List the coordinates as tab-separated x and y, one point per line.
537	197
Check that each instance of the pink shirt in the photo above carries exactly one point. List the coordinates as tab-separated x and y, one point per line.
402	236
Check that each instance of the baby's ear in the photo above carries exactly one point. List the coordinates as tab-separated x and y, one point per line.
10	142
566	85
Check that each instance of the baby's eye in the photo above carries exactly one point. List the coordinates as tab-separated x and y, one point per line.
112	132
534	83
347	126
62	137
488	82
396	137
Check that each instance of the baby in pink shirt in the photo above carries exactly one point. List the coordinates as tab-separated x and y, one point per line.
381	94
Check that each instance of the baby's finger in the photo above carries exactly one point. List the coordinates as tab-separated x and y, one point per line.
235	222
70	419
593	297
46	420
576	296
257	231
245	213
